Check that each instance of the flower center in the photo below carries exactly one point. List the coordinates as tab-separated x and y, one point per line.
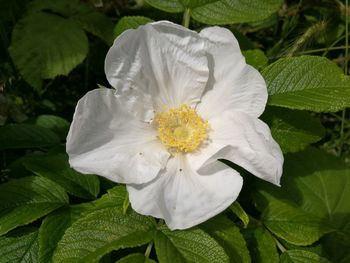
181	129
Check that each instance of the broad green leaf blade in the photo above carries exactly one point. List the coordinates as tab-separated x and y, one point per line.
87	17
26	136
115	197
96	23
40	51
66	8
302	256
27	199
229	237
240	213
171	6
135	258
289	222
264	247
191	245
320	184
20	246
307	83
56	124
54	226
235	11
56	168
255	58
293	130
102	231
130	22
196	3
337	247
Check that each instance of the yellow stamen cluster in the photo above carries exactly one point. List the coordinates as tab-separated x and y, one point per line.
181	129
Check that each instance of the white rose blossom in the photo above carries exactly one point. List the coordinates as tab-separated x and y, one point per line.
182	100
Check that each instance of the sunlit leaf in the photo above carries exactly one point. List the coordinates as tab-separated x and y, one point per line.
235	11
130	22
229	237
307	83
41	52
302	256
102	231
255	58
191	245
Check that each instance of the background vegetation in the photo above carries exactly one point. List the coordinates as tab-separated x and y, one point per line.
52	53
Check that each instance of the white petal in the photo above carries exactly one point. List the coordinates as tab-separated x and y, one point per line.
185	198
103	139
232	85
245	141
162	61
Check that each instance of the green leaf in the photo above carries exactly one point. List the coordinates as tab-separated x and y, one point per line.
293	130
96	23
135	258
235	11
56	168
66	8
195	3
264	247
255	58
56	124
102	231
320	184
130	22
26	136
312	200
20	246
87	17
240	213
289	222
27	199
41	52
229	237
220	12
115	197
307	83
55	224
337	247
171	6
302	256
191	245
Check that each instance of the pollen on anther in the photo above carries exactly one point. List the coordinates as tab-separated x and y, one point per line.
181	129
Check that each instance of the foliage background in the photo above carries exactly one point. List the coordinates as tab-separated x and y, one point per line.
52	52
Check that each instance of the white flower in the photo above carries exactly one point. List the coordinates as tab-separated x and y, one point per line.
183	100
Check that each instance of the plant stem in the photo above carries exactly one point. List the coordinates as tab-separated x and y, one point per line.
346	68
320	50
279	245
149	249
186	18
150	244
